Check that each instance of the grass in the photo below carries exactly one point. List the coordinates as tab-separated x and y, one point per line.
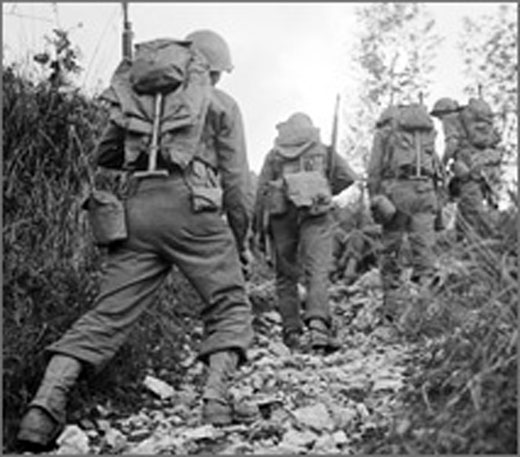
462	397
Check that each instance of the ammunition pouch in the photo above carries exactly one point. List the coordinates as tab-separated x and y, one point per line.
204	185
309	190
107	217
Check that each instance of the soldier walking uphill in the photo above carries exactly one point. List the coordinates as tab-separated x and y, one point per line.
173	217
293	204
470	149
402	171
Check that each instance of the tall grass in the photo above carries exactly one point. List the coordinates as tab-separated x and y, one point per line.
463	392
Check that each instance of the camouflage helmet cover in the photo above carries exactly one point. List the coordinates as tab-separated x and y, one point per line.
298	120
444	105
213	47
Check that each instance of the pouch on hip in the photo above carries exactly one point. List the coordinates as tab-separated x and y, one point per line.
205	189
107	217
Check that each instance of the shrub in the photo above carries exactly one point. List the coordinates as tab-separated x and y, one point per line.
463	392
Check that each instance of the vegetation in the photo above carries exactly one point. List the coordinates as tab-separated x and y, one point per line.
461	395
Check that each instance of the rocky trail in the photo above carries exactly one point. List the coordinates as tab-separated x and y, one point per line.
340	403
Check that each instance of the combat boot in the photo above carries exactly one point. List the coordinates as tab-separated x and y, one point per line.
218	407
321	338
291	338
45	418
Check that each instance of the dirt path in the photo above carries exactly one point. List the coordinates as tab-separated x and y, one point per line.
339	403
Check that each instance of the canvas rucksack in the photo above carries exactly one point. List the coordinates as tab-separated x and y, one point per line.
167	85
303	181
477	120
409	147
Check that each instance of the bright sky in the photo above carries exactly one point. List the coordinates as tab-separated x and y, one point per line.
288	56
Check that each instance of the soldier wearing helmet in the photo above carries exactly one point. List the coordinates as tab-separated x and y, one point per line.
401	172
293	209
168	224
224	139
465	184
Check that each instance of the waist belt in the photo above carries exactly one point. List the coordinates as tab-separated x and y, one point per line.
170	172
406	174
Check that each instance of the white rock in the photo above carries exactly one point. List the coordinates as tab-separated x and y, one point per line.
315	417
73	440
158	387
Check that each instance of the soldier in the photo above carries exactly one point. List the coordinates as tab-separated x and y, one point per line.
293	204
470	145
401	175
165	229
357	241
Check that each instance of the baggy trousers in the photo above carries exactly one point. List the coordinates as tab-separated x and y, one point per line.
302	242
163	230
416	204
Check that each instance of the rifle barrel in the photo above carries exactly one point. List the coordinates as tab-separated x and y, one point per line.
127	34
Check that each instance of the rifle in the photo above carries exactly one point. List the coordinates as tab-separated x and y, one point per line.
127	34
266	241
333	138
489	193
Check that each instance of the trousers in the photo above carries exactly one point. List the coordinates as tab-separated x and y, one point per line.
302	244
472	219
163	230
416	204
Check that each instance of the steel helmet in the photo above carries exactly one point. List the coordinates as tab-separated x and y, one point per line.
444	106
213	47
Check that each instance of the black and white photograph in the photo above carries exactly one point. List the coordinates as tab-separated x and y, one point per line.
265	228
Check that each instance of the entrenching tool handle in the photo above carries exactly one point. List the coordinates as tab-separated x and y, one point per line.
417	140
154	145
152	157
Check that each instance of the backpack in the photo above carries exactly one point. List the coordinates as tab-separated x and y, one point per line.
477	120
166	85
409	146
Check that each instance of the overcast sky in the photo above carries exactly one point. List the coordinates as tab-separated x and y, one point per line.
288	56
